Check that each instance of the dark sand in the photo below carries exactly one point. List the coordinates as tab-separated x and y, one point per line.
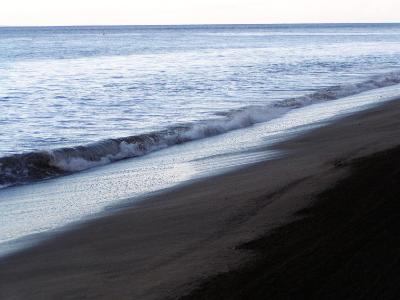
345	246
339	237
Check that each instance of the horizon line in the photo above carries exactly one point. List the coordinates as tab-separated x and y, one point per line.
203	24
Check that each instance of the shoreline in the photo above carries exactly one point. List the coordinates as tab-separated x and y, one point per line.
35	165
168	244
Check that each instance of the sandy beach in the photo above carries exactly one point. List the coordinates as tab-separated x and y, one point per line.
175	242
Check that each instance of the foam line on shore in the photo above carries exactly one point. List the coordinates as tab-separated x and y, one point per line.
28	167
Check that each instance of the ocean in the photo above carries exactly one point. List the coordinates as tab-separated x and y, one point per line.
77	97
127	110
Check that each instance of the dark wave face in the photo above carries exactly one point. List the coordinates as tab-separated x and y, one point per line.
22	168
29	167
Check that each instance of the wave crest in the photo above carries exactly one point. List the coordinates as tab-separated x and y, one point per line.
28	167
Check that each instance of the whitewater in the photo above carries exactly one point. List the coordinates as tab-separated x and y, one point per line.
93	118
75	98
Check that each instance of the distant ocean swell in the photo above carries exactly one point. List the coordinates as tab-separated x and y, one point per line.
28	167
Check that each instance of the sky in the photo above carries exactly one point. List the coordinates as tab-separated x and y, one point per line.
137	12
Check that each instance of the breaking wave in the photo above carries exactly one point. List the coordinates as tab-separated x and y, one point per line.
33	166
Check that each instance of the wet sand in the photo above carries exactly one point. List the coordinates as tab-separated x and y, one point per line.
345	246
174	242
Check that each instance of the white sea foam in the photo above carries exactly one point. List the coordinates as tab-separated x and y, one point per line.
49	205
39	165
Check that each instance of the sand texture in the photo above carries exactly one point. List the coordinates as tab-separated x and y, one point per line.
171	243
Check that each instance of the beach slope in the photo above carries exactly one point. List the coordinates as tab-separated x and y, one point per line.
301	217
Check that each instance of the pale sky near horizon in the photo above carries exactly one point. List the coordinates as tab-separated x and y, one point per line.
132	12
